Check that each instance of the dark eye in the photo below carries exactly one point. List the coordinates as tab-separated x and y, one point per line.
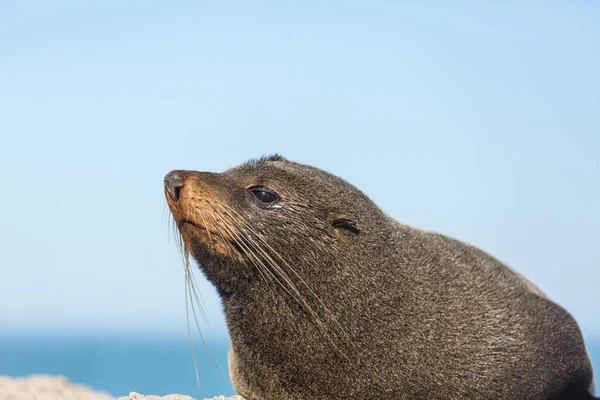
265	195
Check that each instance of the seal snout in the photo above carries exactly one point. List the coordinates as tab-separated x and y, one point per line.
173	184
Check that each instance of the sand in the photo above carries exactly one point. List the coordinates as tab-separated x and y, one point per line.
45	387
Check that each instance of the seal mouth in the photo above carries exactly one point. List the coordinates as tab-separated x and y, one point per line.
192	223
187	223
212	239
203	220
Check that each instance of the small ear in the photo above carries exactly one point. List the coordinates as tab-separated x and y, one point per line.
347	224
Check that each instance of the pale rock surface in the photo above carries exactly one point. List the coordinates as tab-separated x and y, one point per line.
137	396
44	387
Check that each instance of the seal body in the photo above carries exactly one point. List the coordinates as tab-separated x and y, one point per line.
327	297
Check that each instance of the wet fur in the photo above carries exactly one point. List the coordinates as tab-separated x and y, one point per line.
384	312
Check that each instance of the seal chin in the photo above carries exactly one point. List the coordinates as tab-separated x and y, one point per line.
196	235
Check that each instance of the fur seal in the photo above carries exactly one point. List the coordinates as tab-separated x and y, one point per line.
328	297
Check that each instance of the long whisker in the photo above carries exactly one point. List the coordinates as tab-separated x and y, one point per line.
204	341
247	251
187	317
289	282
280	277
219	231
275	266
244	244
191	294
271	261
194	295
194	284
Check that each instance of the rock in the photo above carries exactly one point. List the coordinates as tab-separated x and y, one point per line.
137	396
38	387
45	387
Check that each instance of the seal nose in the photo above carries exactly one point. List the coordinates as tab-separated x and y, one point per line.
173	184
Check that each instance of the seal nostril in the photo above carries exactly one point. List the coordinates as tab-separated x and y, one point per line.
173	184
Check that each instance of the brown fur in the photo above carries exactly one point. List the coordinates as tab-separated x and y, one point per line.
374	310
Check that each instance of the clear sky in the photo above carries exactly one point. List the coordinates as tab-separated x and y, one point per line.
479	120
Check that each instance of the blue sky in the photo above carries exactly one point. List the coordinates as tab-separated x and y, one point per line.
477	119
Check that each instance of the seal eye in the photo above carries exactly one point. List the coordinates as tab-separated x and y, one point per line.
265	195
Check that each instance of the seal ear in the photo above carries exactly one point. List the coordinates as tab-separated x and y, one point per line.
347	224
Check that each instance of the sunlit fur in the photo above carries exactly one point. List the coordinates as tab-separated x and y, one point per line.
382	311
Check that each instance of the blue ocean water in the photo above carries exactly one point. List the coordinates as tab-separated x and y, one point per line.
122	365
